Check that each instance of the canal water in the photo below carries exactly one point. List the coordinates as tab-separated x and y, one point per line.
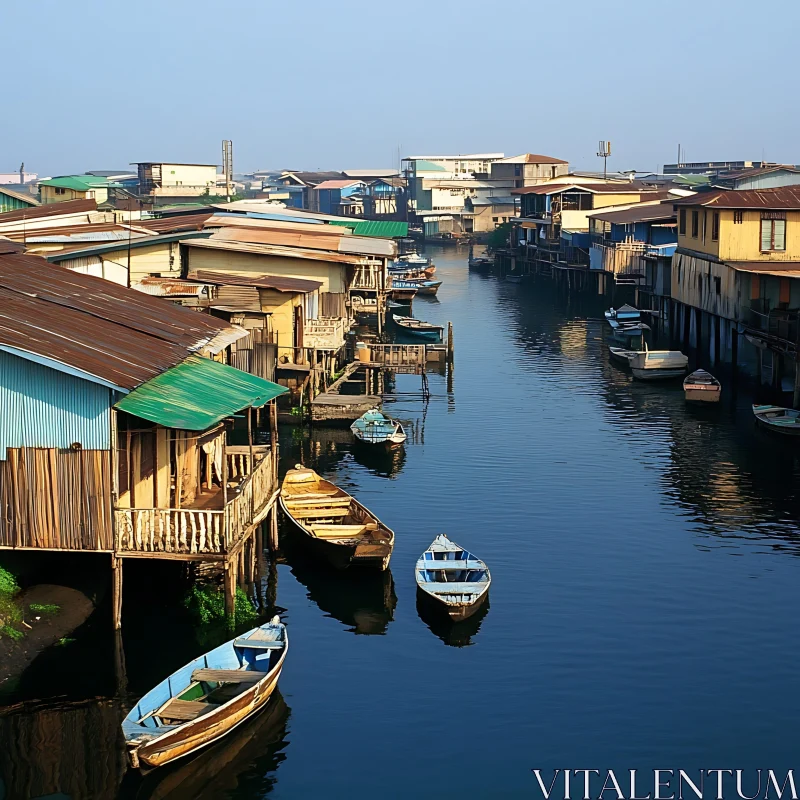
642	612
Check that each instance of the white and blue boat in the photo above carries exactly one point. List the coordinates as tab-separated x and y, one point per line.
420	286
207	698
375	428
452	579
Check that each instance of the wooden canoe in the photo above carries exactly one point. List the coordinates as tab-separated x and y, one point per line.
454	580
207	698
334	524
701	387
419	328
374	428
778	419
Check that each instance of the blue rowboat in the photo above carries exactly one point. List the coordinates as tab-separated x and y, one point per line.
452	579
778	419
419	328
375	428
207	698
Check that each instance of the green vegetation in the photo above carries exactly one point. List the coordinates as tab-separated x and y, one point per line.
220	198
44	608
499	236
207	604
64	641
10	612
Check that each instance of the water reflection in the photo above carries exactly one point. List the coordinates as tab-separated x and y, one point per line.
72	750
363	600
380	460
454	634
242	765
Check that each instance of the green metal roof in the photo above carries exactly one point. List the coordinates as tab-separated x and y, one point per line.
369	227
197	394
79	183
421	165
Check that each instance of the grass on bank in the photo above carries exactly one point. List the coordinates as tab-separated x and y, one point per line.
10	611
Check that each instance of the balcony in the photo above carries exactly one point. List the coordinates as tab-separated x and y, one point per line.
367	277
776	326
213	525
325	333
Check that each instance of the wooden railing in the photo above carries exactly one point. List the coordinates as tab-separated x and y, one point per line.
189	531
325	333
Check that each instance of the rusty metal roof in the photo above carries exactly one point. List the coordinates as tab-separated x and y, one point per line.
594	188
94	327
49	210
182	222
169	287
7	246
288	251
781	269
642	212
279	282
783	197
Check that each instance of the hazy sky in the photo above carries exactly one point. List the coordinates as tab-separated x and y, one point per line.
310	84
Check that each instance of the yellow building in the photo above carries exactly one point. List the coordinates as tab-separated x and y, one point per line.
162	180
737	267
75	187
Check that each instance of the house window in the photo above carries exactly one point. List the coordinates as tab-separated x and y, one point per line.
738	217
59	190
695	223
682	228
773	231
715	227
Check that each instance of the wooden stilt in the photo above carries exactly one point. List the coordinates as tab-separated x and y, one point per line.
796	394
273	528
230	590
242	565
450	343
120	670
116	591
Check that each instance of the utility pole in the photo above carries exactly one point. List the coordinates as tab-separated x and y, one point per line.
227	166
604	151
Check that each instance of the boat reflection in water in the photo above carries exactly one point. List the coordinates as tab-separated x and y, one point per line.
381	461
248	756
363	600
454	634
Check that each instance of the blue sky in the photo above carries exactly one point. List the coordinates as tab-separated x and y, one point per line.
337	85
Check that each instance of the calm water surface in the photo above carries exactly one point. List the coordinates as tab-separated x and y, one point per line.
642	611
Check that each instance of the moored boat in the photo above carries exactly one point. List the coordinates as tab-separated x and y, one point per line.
481	264
513	278
375	428
778	419
207	698
624	313
628	332
426	286
452	579
621	354
701	387
658	365
403	294
334	524
419	328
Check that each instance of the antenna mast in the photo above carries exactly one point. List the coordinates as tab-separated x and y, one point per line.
604	151
227	166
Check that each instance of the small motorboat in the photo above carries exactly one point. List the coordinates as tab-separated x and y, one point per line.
334	524
375	428
481	264
658	365
424	286
622	314
207	698
513	278
452	579
419	328
778	419
701	387
627	332
403	294
413	260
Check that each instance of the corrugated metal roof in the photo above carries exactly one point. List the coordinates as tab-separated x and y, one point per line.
8	246
784	197
168	287
594	188
330	237
385	229
288	251
173	224
25	197
781	269
93	326
77	238
197	394
279	282
49	210
646	212
532	158
337	184
79	183
500	200
109	247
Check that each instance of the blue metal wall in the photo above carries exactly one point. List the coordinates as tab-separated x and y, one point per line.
41	407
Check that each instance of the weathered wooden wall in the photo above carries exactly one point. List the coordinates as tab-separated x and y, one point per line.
59	499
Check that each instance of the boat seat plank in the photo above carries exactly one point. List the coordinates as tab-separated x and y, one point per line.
228	675
301	502
258	644
185	709
322	513
437	565
337	531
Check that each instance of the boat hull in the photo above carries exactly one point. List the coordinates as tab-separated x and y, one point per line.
702	395
343	554
207	729
779	424
454	612
658	374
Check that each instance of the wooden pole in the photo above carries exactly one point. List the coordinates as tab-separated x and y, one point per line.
796	394
116	591
451	347
273	440
230	590
273	528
